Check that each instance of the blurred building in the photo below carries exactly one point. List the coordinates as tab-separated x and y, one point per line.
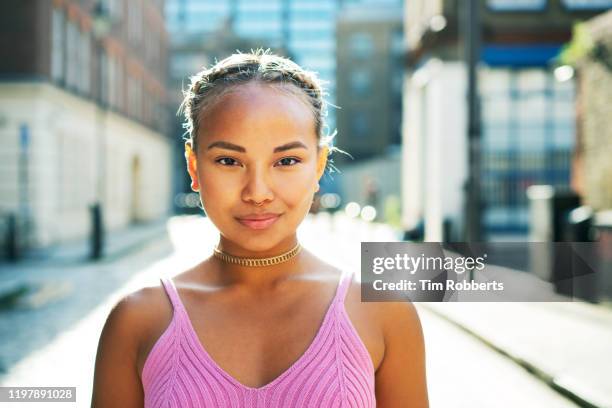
527	116
83	114
369	79
592	175
305	28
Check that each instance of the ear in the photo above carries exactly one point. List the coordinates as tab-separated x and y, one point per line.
190	157
321	163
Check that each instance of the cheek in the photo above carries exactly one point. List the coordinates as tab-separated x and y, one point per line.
213	188
298	186
215	194
295	181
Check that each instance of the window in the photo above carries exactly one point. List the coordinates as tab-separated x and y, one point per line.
310	25
516	5
200	6
103	67
187	63
532	107
495	109
135	97
397	43
115	9
146	107
528	132
198	22
152	42
361	45
325	5
261	28
587	4
318	64
250	6
360	83
309	35
360	126
57	45
72	47
397	81
118	84
84	67
112	81
134	22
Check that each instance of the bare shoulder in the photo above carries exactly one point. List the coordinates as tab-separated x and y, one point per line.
116	377
151	313
136	311
366	319
387	314
394	318
401	378
392	333
400	318
371	312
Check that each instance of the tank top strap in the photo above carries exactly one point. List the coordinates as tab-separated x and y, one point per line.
345	280
170	289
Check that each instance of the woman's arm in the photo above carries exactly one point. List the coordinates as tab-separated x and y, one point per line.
116	380
400	378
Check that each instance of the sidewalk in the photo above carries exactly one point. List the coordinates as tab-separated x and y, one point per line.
118	243
568	345
66	356
16	277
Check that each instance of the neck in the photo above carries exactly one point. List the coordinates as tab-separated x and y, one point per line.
235	249
259	276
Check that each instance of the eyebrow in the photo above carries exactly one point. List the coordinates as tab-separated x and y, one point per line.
231	146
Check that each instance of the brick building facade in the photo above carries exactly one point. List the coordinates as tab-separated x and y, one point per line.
82	115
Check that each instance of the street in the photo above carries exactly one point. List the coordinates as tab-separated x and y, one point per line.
462	372
59	337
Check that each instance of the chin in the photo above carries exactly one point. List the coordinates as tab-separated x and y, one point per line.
256	243
259	246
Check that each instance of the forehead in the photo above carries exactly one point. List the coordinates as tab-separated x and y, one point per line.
256	113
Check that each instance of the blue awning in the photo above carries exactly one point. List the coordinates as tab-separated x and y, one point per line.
522	55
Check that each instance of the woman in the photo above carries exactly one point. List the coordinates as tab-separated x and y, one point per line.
261	322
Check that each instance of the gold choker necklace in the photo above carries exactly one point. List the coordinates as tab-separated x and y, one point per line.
258	261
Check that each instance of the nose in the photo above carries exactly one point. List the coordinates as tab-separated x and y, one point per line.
257	188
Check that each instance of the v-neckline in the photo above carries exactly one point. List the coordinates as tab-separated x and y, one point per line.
199	347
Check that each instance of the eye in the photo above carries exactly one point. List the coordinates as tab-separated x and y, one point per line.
228	159
289	158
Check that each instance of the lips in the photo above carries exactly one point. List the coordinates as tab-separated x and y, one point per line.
259	221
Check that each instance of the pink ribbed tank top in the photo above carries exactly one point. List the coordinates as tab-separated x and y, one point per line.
334	371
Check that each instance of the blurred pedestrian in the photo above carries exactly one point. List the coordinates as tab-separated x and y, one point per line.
260	322
371	191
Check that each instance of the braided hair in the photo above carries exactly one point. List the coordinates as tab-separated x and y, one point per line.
262	66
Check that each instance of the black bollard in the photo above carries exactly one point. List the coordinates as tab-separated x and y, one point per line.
97	232
584	271
12	247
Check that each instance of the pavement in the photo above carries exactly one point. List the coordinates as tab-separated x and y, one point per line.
463	372
567	345
479	354
118	242
18	278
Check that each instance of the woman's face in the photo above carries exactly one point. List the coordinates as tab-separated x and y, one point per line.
256	144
